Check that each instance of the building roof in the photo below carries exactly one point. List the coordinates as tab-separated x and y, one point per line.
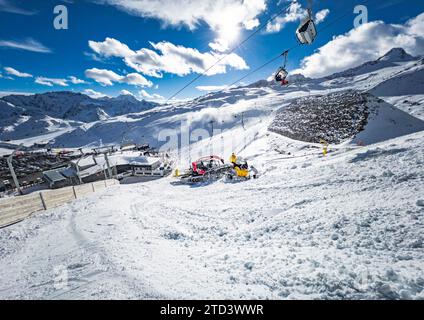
68	172
86	161
54	176
117	159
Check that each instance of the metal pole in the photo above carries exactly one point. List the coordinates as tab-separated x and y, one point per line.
12	170
212	122
78	171
104	172
109	171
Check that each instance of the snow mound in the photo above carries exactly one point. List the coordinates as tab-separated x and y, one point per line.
386	122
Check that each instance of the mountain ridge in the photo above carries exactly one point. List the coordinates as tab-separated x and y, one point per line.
69	119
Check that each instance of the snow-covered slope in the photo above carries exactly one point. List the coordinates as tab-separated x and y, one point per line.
408	82
349	225
390	59
387	122
75	120
35	115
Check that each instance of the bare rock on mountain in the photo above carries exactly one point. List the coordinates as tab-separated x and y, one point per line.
334	117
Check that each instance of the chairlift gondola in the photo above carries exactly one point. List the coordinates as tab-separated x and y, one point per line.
307	31
281	74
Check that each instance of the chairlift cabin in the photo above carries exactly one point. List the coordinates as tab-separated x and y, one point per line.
281	74
307	31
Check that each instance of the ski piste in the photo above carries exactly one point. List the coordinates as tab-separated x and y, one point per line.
316	189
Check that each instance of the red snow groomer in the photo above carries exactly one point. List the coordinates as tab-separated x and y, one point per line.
205	169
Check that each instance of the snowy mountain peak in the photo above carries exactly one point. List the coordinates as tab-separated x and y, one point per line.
390	59
298	77
396	55
127	98
31	115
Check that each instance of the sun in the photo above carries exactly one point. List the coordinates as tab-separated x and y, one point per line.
228	31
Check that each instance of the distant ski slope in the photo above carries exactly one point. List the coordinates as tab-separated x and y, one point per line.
75	120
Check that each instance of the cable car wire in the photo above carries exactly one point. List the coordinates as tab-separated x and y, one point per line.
230	52
326	26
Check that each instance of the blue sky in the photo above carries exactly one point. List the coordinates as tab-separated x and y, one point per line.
153	50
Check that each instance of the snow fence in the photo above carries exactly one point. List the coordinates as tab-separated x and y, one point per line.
15	209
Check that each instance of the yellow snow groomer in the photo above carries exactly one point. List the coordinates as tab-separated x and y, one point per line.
242	171
239	171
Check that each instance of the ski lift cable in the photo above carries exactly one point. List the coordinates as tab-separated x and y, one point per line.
230	52
254	71
326	26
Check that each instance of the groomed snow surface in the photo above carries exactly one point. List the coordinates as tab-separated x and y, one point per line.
348	226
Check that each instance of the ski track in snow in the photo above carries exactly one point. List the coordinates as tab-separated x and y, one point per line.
349	225
346	226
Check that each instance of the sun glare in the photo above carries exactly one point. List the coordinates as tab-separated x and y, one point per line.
229	31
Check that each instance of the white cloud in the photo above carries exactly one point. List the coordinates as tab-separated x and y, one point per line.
126	93
50	82
103	76
153	97
320	16
110	48
8	93
43	80
5	77
94	94
16	73
108	77
211	88
27	44
295	12
75	80
416	25
191	13
136	80
365	43
94	57
220	45
168	57
6	6
225	17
